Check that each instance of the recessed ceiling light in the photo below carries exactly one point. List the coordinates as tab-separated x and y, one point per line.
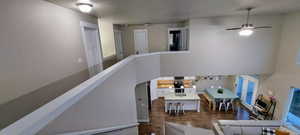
84	6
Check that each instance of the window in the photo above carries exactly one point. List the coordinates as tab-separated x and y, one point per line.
292	117
178	39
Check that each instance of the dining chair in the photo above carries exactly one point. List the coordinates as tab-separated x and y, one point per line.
230	104
222	104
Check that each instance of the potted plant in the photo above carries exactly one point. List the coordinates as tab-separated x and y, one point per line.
220	91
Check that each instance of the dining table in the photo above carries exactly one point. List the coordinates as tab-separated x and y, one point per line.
216	95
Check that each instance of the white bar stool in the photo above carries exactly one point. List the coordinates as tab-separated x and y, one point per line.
177	108
170	106
230	104
182	108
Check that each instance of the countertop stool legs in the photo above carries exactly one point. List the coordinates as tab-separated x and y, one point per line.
175	109
180	108
170	108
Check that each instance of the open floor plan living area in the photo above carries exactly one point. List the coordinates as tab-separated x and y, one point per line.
150	67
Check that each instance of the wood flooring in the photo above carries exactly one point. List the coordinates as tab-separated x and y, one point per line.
202	119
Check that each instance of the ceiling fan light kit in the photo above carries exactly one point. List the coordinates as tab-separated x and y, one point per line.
248	29
246	32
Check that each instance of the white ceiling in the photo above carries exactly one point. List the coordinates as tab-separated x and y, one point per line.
160	11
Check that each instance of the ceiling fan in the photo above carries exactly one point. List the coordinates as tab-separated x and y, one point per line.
247	29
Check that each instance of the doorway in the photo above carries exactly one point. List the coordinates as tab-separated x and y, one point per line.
246	88
92	47
142	101
178	39
119	44
141	41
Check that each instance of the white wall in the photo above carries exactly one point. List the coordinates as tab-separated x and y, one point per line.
225	82
215	51
40	44
287	72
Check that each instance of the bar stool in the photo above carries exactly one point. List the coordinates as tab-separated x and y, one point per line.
230	104
177	108
216	104
180	108
170	108
222	104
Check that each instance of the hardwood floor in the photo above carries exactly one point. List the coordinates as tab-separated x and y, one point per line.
202	119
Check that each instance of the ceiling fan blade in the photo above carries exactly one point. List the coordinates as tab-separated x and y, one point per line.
233	29
263	27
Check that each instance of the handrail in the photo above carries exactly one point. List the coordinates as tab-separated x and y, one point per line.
35	121
103	130
38	119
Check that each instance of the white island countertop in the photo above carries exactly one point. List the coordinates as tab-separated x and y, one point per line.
188	96
190	101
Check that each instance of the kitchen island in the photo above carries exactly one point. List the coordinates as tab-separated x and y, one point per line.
191	101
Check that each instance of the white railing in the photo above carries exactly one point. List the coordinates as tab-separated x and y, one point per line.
107	85
35	121
40	118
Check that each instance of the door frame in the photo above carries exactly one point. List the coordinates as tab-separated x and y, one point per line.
147	38
84	25
119	56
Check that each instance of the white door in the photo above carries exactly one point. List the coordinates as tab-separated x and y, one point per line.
141	95
91	40
246	88
141	41
119	45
